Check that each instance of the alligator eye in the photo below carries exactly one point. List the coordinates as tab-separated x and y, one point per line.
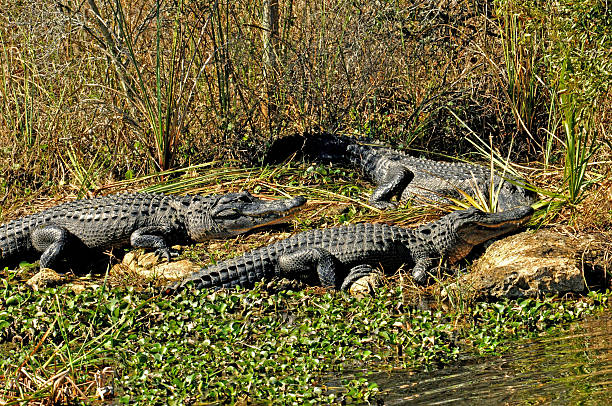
228	213
247	198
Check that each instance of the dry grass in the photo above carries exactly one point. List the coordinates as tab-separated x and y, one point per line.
75	115
83	115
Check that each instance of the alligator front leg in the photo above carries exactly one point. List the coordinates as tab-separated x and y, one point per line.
51	241
153	237
420	272
393	182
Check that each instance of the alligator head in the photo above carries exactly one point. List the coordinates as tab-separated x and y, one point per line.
514	193
467	228
236	213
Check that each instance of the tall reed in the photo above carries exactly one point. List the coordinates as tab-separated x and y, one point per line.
159	87
523	45
580	139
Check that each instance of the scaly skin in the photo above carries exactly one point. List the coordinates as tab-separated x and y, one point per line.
399	175
337	257
144	220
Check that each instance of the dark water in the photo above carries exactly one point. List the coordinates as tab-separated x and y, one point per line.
570	368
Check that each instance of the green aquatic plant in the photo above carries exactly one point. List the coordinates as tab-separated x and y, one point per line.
238	345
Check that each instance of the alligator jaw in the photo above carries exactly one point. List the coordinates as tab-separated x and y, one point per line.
473	227
268	212
238	213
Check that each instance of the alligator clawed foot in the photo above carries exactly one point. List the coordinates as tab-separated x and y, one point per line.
382	205
420	276
166	253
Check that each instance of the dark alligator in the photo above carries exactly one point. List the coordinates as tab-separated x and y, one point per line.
405	177
155	221
337	257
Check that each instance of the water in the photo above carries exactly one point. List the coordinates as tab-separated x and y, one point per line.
571	368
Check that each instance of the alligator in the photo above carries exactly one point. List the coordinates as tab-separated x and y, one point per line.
148	220
336	257
399	175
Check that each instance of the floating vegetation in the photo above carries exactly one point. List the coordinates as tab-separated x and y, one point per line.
137	346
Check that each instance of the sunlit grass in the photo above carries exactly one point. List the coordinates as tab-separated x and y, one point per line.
323	187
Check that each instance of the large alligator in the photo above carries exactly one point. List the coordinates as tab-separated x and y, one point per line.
337	257
405	177
155	221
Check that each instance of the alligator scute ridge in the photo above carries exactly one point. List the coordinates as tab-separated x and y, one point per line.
338	256
148	220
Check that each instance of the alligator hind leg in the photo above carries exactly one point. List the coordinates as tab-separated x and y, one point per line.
311	262
395	179
357	273
52	242
308	263
153	237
